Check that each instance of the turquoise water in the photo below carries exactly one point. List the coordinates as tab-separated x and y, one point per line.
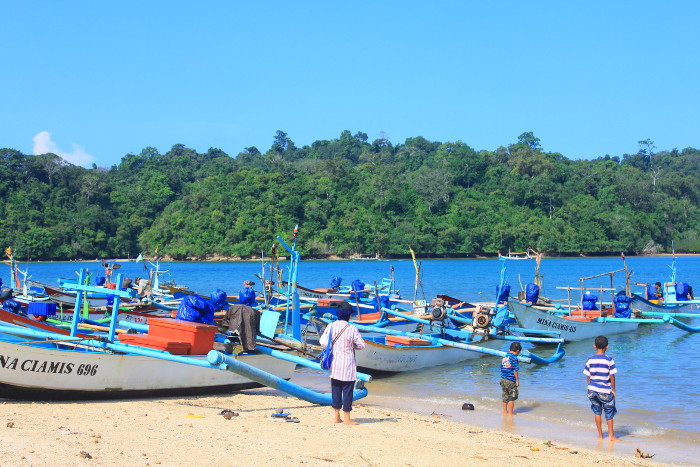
658	365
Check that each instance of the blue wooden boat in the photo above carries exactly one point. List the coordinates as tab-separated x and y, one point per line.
42	364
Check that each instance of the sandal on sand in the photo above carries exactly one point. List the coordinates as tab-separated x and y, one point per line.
293	419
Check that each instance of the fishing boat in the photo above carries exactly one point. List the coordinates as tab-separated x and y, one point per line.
173	357
391	354
36	369
515	255
571	326
436	342
677	296
587	319
367	257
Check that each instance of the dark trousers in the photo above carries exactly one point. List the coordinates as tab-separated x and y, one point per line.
341	392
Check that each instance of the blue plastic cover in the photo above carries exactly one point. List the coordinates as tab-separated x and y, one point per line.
100	281
196	309
335	282
383	302
622	305
247	296
357	284
41	308
651	292
682	290
589	301
532	293
501	318
12	306
504	293
219	300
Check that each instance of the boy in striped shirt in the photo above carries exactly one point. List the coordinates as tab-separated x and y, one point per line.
600	370
509	378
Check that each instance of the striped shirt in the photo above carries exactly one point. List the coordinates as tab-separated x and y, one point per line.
599	367
343	367
509	365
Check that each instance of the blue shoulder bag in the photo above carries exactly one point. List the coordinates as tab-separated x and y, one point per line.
326	356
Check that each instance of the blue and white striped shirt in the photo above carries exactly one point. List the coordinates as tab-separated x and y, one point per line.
599	367
509	365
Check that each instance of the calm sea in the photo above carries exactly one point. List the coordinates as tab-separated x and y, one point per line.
658	392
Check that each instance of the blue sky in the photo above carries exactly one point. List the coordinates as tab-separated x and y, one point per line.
94	81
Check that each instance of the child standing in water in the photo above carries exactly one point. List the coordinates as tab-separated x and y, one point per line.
600	371
509	378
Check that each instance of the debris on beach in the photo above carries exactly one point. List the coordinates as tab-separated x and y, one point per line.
228	414
643	455
85	455
467	406
10	424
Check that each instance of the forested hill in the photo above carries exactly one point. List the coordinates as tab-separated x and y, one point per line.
349	195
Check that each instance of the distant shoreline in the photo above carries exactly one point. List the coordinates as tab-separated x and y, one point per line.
231	259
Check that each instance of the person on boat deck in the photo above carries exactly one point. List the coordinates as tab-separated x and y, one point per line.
246	296
690	293
658	292
346	339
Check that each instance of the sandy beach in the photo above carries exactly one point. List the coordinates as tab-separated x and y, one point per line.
192	431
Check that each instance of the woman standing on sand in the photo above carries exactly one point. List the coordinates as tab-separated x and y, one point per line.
346	339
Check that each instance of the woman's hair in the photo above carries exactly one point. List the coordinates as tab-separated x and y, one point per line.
344	311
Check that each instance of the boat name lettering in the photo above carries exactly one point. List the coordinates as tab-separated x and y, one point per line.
43	366
559	326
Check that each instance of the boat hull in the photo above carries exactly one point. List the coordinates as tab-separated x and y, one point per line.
41	372
531	317
378	356
68	299
643	305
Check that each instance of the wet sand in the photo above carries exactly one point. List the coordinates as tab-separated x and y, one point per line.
192	431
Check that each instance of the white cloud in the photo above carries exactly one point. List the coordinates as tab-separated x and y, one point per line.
43	144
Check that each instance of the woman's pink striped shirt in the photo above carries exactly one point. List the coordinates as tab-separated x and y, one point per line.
343	367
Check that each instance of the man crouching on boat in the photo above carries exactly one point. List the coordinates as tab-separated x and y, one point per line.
346	339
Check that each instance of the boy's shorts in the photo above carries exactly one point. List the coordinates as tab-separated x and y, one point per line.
510	390
602	402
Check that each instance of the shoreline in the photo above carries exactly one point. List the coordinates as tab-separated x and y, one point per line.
191	431
236	259
528	421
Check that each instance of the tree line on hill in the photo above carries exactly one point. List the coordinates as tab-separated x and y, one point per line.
350	195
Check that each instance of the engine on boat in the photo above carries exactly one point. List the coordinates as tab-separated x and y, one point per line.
483	317
439	310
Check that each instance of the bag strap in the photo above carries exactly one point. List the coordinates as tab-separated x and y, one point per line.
338	335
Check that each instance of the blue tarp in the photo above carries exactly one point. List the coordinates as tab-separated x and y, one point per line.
12	306
682	290
335	282
651	292
247	296
589	301
357	284
532	293
196	309
219	300
383	302
504	293
622	305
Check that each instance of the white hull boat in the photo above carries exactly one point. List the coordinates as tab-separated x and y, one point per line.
570	329
54	371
